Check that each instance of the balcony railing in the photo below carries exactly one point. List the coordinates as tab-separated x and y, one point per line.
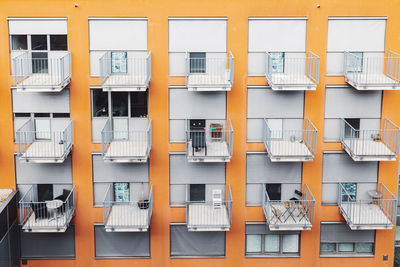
49	74
378	212
292	73
294	214
43	146
211	144
371	145
209	73
130	216
46	216
125	146
290	145
365	72
132	73
212	215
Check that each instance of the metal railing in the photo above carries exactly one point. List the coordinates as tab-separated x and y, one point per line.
359	211
140	140
289	212
50	144
302	70
35	215
133	70
209	71
365	142
210	142
125	213
363	70
282	142
204	215
28	71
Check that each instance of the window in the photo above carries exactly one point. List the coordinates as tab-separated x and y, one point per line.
278	62
274	191
19	42
119	104
197	62
139	104
351	129
119	62
347	248
197	192
328	247
276	127
42	129
39	42
58	42
121	192
253	243
272	243
45	192
100	103
40	62
355	62
349	191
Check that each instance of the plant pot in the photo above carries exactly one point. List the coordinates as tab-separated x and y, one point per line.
143	204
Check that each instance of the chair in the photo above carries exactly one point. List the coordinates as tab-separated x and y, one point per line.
277	213
290	206
63	198
302	212
198	134
217	198
40	210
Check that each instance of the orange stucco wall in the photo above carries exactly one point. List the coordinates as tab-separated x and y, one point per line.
157	12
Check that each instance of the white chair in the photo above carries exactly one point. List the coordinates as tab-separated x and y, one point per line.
217	198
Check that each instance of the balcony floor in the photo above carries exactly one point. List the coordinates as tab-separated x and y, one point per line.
217	151
42	83
371	81
126	151
127	218
125	82
285	150
204	217
366	217
368	150
296	222
47	226
287	82
45	152
206	82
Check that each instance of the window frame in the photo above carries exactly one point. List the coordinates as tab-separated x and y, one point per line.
346	254
200	69
263	253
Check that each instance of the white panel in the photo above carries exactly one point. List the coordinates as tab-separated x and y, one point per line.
97	126
177	194
202	35
95	62
41	102
118	34
177	131
278	35
256	64
38	26
59	124
334	63
356	35
177	64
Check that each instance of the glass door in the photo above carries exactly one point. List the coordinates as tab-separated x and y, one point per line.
42	129
120	115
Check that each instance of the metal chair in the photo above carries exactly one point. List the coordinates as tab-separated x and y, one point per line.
217	198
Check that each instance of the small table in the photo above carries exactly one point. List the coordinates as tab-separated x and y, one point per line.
52	206
374	194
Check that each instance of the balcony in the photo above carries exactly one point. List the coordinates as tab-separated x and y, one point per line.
48	74
125	73
292	72
52	215
209	144
289	215
43	146
125	145
290	145
370	145
131	216
378	212
213	215
209	73
365	72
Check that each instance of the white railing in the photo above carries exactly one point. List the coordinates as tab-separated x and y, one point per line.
283	141
138	138
43	216
365	142
375	71
51	144
126	218
301	70
204	215
210	142
209	71
299	212
359	212
28	71
136	71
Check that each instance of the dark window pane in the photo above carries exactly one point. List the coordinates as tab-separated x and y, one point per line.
119	104
39	42
45	192
349	191
197	62
100	103
61	115
274	191
42	115
40	62
19	42
139	104
198	192
22	115
58	42
351	128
